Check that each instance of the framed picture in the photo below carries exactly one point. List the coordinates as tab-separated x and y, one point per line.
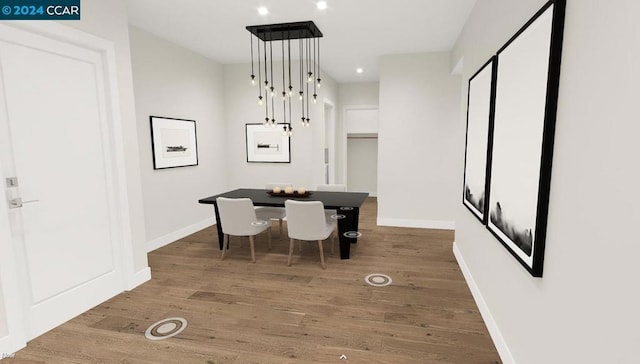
173	142
478	139
527	80
267	145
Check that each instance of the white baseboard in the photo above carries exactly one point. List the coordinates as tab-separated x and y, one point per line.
10	345
138	278
415	223
494	330
179	234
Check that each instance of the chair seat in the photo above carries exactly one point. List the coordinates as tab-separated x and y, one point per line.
238	218
324	233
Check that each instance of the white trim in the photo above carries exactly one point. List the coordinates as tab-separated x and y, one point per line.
416	223
492	326
179	234
330	129
140	277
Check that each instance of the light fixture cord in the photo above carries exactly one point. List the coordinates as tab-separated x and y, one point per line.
315	91
301	64
289	50
284	92
301	73
266	75
259	72
271	60
251	37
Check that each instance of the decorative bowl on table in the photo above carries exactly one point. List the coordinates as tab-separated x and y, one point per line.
292	194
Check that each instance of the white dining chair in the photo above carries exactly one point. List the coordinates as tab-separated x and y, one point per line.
306	222
273	213
238	218
332	215
332	188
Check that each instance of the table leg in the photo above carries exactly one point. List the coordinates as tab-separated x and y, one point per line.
349	223
219	226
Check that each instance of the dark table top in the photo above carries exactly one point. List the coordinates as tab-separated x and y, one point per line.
331	200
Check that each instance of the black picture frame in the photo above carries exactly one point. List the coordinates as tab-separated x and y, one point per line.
267	144
478	138
174	142
526	99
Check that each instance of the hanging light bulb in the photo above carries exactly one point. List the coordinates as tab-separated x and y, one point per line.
308	37
266	122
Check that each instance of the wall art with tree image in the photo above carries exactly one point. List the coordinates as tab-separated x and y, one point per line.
527	82
478	139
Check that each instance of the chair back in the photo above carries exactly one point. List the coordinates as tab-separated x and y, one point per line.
236	215
306	220
332	188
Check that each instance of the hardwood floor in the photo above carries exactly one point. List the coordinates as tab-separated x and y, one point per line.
266	312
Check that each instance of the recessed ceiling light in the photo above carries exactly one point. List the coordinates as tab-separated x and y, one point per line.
359	70
263	11
321	5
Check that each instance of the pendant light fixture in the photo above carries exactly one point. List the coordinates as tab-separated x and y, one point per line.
309	73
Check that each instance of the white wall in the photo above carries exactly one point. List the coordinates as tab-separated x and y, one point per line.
3	317
307	159
585	308
362	93
174	82
417	150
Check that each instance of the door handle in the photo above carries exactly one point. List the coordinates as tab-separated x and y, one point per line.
17	202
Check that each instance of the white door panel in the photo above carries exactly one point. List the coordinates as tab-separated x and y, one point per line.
55	122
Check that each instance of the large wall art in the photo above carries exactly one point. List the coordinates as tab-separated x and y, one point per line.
477	147
266	144
173	142
527	78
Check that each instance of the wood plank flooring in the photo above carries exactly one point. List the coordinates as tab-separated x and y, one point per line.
266	312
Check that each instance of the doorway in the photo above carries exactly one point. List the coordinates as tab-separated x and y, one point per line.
329	143
362	159
62	177
360	149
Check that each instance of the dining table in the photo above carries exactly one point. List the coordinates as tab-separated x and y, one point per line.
346	204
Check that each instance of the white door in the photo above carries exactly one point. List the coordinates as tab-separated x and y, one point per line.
55	137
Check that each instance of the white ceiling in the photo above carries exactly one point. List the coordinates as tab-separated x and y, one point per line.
356	32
